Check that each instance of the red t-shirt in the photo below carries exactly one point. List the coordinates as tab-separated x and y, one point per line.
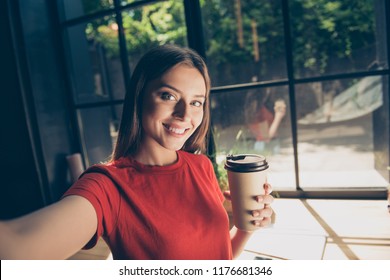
158	212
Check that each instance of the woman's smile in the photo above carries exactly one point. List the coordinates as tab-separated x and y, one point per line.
177	131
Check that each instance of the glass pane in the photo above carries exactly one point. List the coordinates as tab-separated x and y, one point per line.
244	41
256	121
77	8
153	25
95	64
331	37
339	143
104	123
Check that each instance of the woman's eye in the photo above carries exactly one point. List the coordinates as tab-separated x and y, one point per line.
167	96
197	103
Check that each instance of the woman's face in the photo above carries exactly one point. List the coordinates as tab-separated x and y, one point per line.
173	108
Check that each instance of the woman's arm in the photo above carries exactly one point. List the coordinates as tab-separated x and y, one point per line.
280	112
239	238
54	232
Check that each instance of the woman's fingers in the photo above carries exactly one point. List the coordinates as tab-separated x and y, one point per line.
266	199
227	195
263	216
267	188
262	213
262	223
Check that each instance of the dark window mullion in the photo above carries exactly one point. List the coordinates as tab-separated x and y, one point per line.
341	76
193	19
237	87
122	46
64	49
106	12
387	98
136	4
387	13
87	18
291	87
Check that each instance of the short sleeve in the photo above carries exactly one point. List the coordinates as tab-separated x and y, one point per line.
101	192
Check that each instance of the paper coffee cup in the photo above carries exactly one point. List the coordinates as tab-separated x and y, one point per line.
247	174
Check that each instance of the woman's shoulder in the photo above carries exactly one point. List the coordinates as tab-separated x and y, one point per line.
100	168
199	164
106	172
195	159
189	155
113	165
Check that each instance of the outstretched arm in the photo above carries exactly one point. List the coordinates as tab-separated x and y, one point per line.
280	112
54	232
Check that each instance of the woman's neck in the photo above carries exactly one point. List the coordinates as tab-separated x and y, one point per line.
151	157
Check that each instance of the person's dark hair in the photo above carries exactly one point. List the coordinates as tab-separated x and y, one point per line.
154	64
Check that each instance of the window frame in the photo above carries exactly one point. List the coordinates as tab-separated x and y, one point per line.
196	41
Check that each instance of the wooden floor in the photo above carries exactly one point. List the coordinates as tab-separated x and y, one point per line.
99	252
357	229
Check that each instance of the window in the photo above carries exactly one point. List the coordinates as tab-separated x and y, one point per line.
95	64
244	41
303	82
328	62
336	132
241	122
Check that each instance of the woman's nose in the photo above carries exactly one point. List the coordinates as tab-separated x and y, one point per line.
181	110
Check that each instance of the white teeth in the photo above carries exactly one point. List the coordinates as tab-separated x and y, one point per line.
177	130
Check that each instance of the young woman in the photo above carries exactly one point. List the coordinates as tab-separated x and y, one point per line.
158	197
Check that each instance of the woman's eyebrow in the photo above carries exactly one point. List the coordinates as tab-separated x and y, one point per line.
179	91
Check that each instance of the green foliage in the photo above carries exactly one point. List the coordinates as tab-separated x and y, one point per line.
329	28
144	27
155	24
321	30
104	31
222	176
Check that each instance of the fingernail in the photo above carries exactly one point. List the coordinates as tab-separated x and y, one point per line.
259	199
255	214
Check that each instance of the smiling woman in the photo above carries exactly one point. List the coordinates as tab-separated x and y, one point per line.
158	197
157	169
172	111
156	76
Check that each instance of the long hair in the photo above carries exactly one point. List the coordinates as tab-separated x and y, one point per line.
154	64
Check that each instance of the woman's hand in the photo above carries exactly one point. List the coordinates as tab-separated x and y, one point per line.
262	217
280	108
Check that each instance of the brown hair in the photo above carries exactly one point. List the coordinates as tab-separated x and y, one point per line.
155	63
